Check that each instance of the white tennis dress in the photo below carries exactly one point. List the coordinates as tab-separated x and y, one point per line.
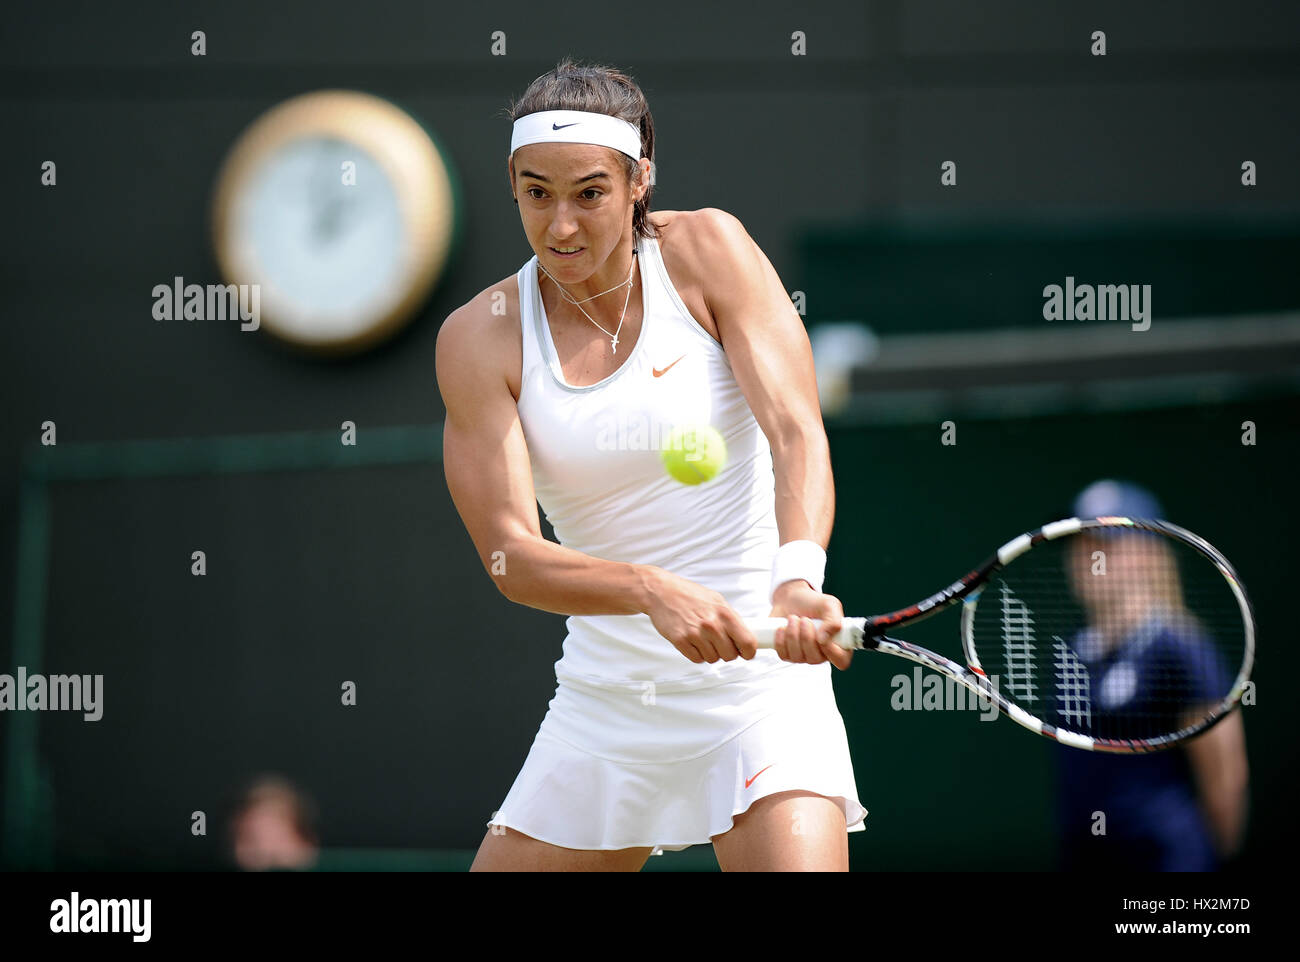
640	746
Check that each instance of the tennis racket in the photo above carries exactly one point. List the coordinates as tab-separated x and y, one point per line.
1107	634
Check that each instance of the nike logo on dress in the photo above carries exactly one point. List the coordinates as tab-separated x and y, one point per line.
750	781
555	126
658	373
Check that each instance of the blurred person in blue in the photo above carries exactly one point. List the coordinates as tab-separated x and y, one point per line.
1181	809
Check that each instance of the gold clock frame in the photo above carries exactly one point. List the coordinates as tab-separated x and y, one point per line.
422	179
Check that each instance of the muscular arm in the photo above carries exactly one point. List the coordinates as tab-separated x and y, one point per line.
767	345
771	359
1218	761
485	458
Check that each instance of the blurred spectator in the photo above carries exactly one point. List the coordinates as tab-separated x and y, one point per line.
1183	809
273	826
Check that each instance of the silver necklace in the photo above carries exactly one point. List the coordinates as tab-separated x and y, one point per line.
613	343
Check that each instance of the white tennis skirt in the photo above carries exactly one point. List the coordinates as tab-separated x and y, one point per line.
633	768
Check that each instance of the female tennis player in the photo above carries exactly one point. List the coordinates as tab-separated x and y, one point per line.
562	382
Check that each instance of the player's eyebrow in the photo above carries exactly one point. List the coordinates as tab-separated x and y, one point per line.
546	180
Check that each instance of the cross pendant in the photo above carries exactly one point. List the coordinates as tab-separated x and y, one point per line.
613	345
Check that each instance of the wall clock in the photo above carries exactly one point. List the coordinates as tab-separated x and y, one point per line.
344	210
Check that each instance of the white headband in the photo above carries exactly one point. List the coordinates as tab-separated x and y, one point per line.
576	127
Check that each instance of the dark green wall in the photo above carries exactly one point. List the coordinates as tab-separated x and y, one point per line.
947	790
959	275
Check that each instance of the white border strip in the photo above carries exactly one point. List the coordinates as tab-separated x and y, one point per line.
1058	528
1013	549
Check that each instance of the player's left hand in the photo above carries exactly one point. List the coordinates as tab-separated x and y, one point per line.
799	640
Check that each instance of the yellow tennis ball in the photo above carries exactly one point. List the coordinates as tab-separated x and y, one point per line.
695	453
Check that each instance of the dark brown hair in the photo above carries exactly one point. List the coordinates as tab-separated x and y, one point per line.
600	90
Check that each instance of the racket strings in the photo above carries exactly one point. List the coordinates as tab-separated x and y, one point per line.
1120	636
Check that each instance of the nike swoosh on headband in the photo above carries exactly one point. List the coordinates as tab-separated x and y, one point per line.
555	126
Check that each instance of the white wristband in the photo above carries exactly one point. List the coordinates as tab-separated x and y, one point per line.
799	559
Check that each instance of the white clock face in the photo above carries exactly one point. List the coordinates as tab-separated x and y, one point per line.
329	256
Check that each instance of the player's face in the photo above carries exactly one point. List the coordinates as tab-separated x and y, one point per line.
563	206
1113	574
1081	565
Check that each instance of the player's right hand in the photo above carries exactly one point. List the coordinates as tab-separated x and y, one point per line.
698	621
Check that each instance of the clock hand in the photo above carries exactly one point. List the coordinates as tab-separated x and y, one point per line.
326	199
326	222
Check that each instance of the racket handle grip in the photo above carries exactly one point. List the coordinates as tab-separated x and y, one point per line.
850	635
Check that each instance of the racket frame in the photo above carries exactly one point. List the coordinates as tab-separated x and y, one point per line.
968	589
